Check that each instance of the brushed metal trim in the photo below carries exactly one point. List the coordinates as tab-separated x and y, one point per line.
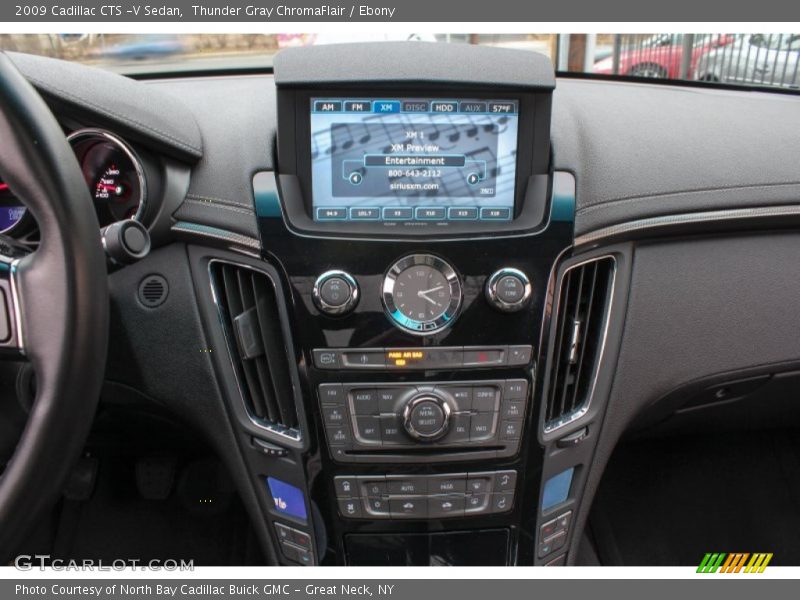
713	216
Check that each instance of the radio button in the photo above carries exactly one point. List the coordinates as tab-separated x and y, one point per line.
365	402
459	429
516	389
339	436
484	399
481	427
513	410
331	393
510	430
334	415
461	396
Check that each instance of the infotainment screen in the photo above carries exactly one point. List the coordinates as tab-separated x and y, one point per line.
413	159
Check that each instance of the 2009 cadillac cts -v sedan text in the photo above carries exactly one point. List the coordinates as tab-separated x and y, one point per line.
396	303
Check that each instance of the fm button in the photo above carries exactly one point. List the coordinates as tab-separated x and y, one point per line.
335	293
508	290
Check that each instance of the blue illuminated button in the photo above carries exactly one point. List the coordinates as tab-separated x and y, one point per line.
556	489
386	106
495	214
404	213
288	499
327	106
331	214
425	213
462	213
365	214
357	106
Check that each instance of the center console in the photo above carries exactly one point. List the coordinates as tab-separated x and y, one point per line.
413	229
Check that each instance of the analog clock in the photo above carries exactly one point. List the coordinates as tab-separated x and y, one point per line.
422	294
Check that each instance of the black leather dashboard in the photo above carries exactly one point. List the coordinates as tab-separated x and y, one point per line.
637	150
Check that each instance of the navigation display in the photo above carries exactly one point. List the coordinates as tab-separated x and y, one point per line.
413	159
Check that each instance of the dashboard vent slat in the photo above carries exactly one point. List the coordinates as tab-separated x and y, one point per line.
579	325
249	309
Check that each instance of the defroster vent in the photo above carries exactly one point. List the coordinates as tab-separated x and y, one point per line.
257	341
579	324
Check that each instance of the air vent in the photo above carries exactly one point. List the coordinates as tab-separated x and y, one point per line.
579	326
249	308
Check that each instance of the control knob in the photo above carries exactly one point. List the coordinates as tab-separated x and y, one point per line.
335	293
508	290
426	417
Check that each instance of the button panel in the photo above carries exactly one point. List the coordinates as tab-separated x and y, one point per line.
405	359
372	416
295	544
425	496
553	534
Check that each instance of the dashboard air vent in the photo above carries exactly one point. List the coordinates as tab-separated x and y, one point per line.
580	320
249	308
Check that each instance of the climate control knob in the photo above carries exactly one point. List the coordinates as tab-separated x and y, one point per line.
426	417
335	293
508	290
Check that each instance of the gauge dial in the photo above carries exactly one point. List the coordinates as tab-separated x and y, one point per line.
421	294
113	173
12	210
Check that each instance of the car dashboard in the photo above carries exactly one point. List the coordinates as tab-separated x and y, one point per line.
397	377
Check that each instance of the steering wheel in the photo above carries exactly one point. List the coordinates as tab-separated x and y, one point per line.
53	305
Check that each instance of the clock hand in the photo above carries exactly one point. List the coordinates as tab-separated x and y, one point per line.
436	289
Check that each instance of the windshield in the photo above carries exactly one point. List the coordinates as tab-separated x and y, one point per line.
752	60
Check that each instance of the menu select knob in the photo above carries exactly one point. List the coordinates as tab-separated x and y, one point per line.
508	290
335	293
426	417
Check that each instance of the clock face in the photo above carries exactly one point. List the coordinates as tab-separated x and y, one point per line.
421	294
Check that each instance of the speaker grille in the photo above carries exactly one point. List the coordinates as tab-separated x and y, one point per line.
153	291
